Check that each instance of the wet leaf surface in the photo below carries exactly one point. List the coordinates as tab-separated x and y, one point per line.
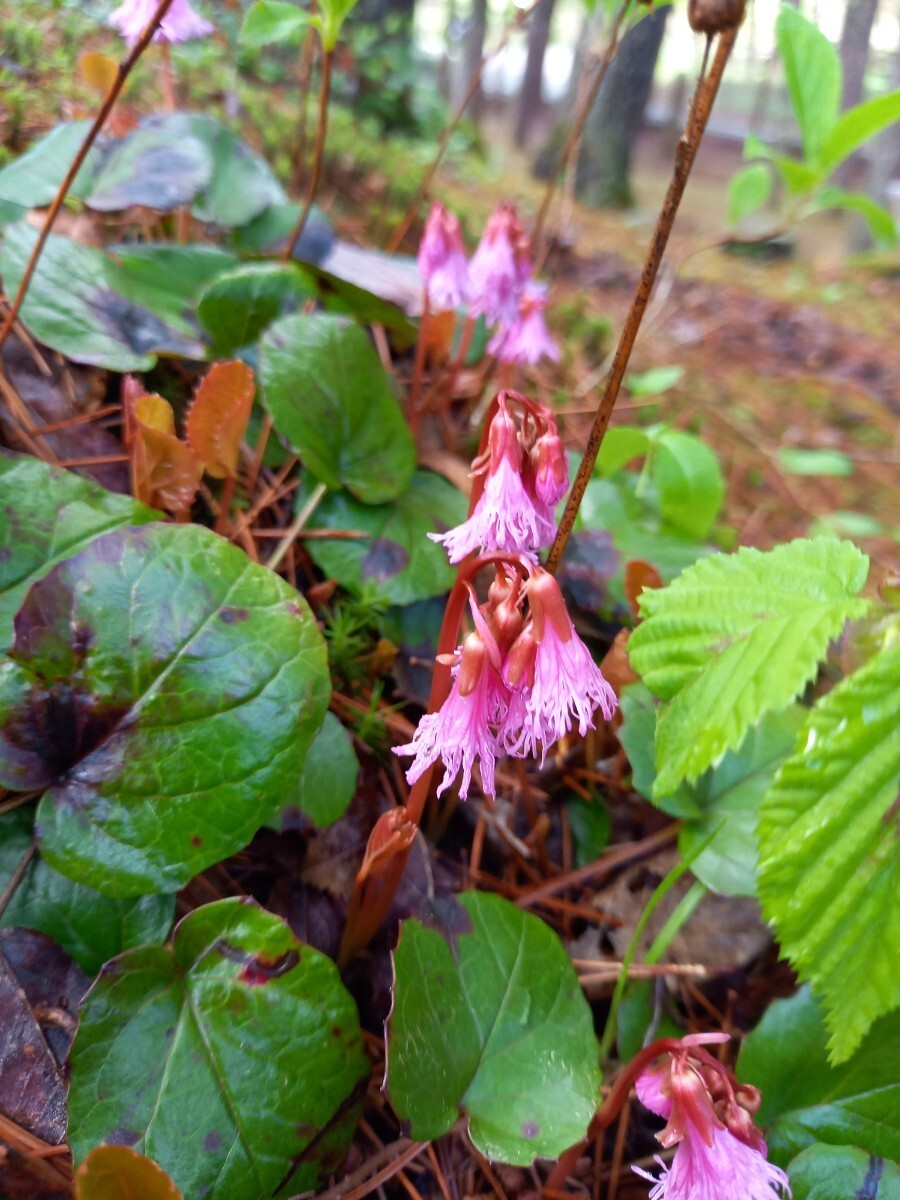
40	990
164	689
238	306
89	926
256	1028
488	1018
840	1172
329	395
47	515
152	167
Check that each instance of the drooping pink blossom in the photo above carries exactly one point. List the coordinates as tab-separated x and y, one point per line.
507	516
526	340
550	465
500	268
553	673
461	730
442	261
180	24
711	1162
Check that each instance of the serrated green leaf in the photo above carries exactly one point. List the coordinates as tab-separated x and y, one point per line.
164	689
329	395
804	1100
736	636
838	1172
398	557
48	514
238	306
223	1057
813	73
748	189
829	875
269	21
89	926
856	126
689	482
328	779
488	1018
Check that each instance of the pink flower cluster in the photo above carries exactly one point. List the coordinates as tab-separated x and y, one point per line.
523	678
521	681
525	474
720	1153
496	284
180	24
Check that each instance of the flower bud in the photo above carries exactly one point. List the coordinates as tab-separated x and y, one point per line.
471	664
551	468
715	16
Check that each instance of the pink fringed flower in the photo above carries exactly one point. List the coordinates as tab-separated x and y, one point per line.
180	24
712	1162
526	340
506	517
558	682
461	730
442	262
500	268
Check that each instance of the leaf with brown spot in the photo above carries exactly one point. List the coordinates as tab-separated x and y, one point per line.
40	990
120	1173
217	419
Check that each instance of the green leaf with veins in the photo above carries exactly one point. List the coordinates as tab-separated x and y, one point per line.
488	1018
813	73
89	926
398	558
163	689
238	306
227	1057
329	395
837	1172
736	636
49	514
829	870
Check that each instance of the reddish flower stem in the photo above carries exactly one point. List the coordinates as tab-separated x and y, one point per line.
318	156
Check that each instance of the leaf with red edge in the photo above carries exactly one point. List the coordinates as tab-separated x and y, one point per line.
217	419
120	1173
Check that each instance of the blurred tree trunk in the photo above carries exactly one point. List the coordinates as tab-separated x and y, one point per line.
886	148
617	117
473	52
530	99
855	37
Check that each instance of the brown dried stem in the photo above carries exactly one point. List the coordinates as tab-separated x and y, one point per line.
122	73
318	155
701	106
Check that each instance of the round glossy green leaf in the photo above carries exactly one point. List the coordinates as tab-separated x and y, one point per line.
164	689
223	1057
398	558
488	1018
328	779
80	303
33	178
47	514
805	1100
329	395
237	307
89	926
842	1173
689	482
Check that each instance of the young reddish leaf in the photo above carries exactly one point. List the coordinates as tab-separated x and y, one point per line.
217	419
120	1173
165	471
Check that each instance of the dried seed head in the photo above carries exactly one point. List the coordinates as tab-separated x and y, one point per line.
715	16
